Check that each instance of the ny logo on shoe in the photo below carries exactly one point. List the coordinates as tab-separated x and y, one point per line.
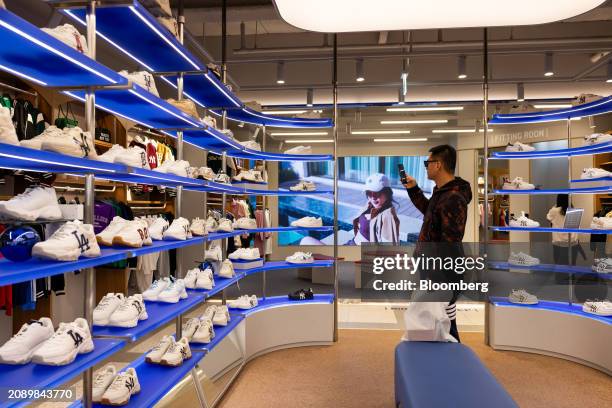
184	353
77	39
144	233
130	383
143	159
138	306
76	337
147	79
82	241
83	144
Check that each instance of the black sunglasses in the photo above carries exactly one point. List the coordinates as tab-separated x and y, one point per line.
426	162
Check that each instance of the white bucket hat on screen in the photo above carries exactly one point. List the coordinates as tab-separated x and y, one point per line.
376	182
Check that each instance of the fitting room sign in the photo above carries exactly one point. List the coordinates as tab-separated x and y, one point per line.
522	136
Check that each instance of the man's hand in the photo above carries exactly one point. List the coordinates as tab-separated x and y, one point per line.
409	182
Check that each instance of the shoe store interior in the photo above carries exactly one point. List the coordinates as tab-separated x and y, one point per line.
188	188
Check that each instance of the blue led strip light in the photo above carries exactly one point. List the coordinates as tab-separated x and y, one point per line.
575	151
585	190
561	307
543	229
598	107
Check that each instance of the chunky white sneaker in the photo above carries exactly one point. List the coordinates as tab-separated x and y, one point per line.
133	156
69	340
129	312
222	178
523	221
518	184
112	153
600	308
303	186
597	138
300	258
134	234
124	385
69	35
106	236
7	129
206	173
299	150
177	353
249	175
191	277
522	259
213	253
307	222
142	78
522	297
177	167
205	279
50	133
243	302
20	347
73	142
222	316
205	332
225	225
251	144
245	223
247	254
209	313
102	380
157	352
109	303
227	269
211	224
519	147
190	328
174	292
178	230
602	265
594	173
155	289
68	243
36	203
603	223
157	228
198	227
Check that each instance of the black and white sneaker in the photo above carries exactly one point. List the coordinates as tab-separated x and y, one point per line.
302	294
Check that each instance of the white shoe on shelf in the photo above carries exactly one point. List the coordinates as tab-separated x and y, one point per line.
303	185
68	243
519	147
225	225
157	228
299	150
178	230
602	265
19	348
191	327
69	35
177	353
597	138
602	223
134	234
69	340
251	144
173	292
211	224
222	316
596	307
205	279
300	258
594	173
227	269
142	78
107	235
521	296
155	355
50	133
213	253
109	303
523	221
129	312
191	277
133	156
198	227
206	173
122	388
7	129
73	142
246	254
307	222
518	184
222	178
101	381
36	203
179	168
245	223
243	302
155	289
209	313
111	154
205	333
522	259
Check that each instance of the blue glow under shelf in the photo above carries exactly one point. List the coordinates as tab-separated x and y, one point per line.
561	307
283	301
599	107
159	314
221	332
575	151
277	265
545	229
36	56
220	284
38	377
163	245
251	116
582	190
608	179
551	268
222	235
14	272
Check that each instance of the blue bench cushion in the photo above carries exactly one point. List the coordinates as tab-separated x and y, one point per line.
443	375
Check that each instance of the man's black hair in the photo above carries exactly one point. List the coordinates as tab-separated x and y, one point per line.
447	156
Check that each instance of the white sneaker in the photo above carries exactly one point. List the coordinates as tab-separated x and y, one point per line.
243	302
68	243
209	313
222	316
109	303
134	234
157	228
133	156
517	184
519	147
251	144
599	308
205	279
70	36
177	353
69	340
177	167
299	150
211	224
173	292
129	312
7	129
157	352
300	258
124	385
303	186
602	265
593	173
191	277
19	348
155	289
225	225
213	253
52	132
603	223
142	78
222	178
522	297
191	327
106	236
253	175
245	223
246	254
198	227
102	380
178	230
597	138
111	154
307	222
205	332
522	259
206	173
36	203
523	221
227	269
73	142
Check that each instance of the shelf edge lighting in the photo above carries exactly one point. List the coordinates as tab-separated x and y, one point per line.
395	15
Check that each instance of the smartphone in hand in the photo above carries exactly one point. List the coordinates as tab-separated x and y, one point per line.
402	173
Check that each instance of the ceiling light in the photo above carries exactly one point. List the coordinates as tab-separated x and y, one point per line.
412	122
461	67
285	112
548	65
460	130
404	77
389	15
410	139
380	132
401	98
554	106
426	109
310	141
520	92
280	73
609	74
298	133
359	70
309	97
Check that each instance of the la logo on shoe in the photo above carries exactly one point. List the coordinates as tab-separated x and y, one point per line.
82	241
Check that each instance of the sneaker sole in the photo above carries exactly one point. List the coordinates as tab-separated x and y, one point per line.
86	347
300	262
106	401
120	241
50	212
127	323
42	253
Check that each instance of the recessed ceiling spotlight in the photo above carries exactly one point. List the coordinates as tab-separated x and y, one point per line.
461	67
359	77
520	92
548	65
280	73
309	97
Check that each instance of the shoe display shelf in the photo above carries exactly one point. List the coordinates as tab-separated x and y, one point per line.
559	329
283	301
221	332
